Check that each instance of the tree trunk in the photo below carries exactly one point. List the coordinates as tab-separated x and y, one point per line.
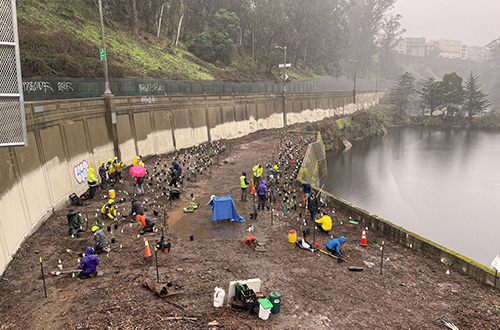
304	64
253	46
159	22
134	17
179	28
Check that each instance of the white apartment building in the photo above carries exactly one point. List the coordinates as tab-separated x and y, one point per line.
477	53
411	46
451	49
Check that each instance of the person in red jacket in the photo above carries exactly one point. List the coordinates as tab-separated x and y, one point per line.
147	224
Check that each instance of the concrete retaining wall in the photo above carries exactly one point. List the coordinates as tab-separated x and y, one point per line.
66	137
391	231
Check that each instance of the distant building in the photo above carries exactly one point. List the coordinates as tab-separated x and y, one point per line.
465	52
445	48
477	53
451	49
411	46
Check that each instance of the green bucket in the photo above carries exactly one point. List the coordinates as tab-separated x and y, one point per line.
275	299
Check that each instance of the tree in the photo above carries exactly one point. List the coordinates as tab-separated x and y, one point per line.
401	93
365	20
453	93
387	40
219	43
432	94
475	100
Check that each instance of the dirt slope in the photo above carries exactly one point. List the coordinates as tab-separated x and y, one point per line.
316	292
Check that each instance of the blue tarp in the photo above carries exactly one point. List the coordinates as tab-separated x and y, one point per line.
223	208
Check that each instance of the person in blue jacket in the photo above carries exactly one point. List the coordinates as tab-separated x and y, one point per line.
88	264
334	245
262	193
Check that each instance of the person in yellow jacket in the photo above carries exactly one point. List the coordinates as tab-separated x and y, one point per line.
111	174
244	186
257	174
324	224
117	168
108	210
92	181
138	161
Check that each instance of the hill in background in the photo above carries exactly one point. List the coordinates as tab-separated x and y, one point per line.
63	38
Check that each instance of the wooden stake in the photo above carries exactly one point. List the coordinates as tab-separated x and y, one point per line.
272	211
381	257
43	278
156	262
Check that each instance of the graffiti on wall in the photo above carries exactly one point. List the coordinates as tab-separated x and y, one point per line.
81	171
150	88
48	87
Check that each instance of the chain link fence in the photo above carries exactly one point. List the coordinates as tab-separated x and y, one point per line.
63	88
12	120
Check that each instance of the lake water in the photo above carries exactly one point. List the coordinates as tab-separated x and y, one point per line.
441	184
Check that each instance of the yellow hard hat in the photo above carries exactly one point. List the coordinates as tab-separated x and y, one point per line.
275	167
101	163
94	228
109	159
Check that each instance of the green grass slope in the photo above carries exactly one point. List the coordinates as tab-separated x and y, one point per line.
63	38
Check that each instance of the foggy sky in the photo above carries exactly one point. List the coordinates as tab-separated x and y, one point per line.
474	22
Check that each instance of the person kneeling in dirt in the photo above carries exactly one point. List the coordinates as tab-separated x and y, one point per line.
137	208
251	241
101	243
334	245
74	222
324	224
88	264
147	224
108	210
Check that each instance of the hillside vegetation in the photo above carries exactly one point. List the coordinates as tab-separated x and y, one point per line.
63	38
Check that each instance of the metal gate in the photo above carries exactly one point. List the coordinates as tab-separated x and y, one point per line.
12	117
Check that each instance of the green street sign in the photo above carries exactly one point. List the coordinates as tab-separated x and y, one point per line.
102	53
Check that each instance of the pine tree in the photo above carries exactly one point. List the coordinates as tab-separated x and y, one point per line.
475	100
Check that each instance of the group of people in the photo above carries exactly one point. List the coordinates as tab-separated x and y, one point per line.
266	189
109	173
90	260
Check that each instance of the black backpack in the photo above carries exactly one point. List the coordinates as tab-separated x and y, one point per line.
140	180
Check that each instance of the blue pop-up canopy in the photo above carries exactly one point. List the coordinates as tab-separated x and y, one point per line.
223	208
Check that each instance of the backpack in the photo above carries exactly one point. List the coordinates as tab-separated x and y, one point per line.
140	180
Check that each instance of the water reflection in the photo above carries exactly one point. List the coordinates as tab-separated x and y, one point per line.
441	184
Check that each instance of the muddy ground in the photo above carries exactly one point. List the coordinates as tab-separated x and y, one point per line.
317	292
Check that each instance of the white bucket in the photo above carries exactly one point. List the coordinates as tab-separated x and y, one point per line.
219	295
264	313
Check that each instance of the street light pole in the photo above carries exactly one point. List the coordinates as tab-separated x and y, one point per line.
107	91
354	87
284	84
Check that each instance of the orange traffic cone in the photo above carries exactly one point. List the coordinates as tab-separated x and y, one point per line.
363	238
252	189
147	251
291	156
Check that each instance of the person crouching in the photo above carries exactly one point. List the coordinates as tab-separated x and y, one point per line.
147	224
101	243
88	264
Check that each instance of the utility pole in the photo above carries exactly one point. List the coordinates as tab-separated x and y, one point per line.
284	77
109	98
102	51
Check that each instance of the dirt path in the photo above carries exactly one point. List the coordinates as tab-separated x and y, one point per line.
316	291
